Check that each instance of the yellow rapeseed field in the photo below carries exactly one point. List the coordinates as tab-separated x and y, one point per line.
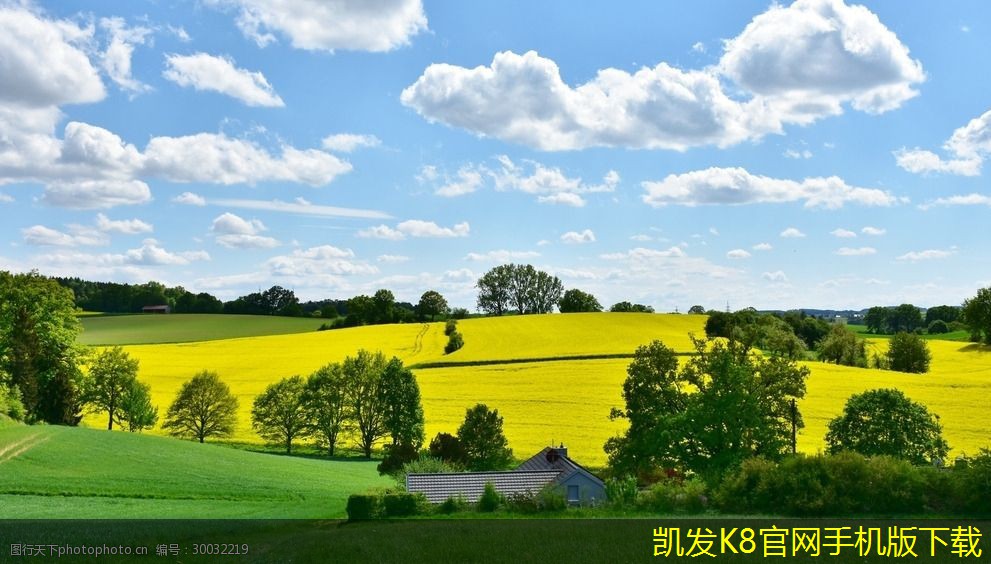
559	401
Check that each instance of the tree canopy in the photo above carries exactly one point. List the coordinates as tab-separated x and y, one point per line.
908	352
432	303
886	422
520	287
577	301
977	315
112	375
485	446
278	414
204	407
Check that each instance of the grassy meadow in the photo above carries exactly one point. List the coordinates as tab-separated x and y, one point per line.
61	472
560	400
189	327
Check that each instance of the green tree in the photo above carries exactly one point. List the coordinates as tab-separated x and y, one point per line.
432	304
627	307
204	407
885	421
326	403
38	351
908	352
905	317
842	346
696	310
447	447
136	410
944	313
399	396
938	327
545	293
876	319
977	315
484	443
724	405
112	374
576	301
494	290
363	375
279	415
383	306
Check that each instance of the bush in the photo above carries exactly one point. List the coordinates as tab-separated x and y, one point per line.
459	313
454	342
490	500
450	327
954	326
907	352
403	504
456	504
938	327
972	484
622	491
396	458
675	496
447	447
362	507
10	403
423	465
547	499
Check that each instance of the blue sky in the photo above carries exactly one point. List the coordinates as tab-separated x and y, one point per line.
815	154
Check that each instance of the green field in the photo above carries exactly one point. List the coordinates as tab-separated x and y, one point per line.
951	336
187	327
61	472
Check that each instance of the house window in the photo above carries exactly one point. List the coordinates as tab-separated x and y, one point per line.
573	494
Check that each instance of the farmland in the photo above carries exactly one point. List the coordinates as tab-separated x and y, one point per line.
150	328
61	472
561	400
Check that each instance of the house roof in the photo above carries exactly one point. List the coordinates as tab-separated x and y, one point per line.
556	459
439	487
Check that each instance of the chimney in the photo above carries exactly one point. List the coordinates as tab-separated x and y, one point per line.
561	451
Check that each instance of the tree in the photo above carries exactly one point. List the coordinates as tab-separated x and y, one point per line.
522	279
484	443
977	315
383	306
876	319
361	310
886	422
493	290
545	294
576	301
432	304
136	411
944	313
363	375
842	346
627	307
38	351
722	406
399	396
447	447
112	374
938	327
696	310
278	414
908	352
204	407
905	317
326	404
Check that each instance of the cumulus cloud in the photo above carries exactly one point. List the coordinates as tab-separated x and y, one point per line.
325	260
960	200
122	226
149	254
855	251
468	180
738	254
205	72
737	186
928	254
576	237
116	60
843	233
96	194
347	142
873	231
969	146
40	235
762	247
420	228
793	65
190	199
318	25
235	232
793	154
392	259
792	233
501	255
550	184
777	276
641	253
382	232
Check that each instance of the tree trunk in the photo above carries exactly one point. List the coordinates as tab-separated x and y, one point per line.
110	421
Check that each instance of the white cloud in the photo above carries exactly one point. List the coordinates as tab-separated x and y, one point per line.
641	253
969	146
792	233
501	256
737	186
550	184
325	260
714	231
180	33
202	71
855	252
960	200
96	194
235	232
419	228
762	247
382	232
469	180
641	237
116	60
698	47
80	236
152	254
347	142
738	254
793	154
791	65
301	207
123	226
873	231
575	237
843	233
392	259
563	198
190	199
318	25
929	254
777	276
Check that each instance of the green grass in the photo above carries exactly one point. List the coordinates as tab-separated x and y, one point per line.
185	328
62	472
951	336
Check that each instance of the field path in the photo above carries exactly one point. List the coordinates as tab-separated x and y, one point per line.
418	340
17	448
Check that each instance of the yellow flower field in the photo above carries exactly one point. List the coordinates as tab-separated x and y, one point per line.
559	401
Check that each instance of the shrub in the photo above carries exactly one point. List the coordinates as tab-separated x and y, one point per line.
447	447
622	491
403	504
454	342
956	326
972	484
907	352
362	507
547	499
938	327
10	403
396	458
675	496
450	327
455	504
459	313
423	465
490	500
